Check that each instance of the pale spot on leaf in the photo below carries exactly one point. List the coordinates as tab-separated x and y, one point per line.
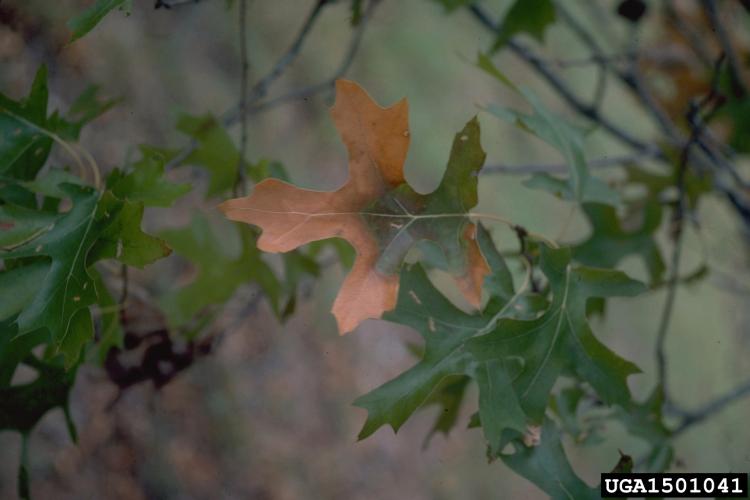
533	436
431	324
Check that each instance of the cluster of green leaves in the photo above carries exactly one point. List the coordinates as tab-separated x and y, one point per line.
540	371
59	225
516	350
55	227
225	253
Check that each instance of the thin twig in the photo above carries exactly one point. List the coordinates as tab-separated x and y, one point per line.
260	89
726	44
594	59
536	168
240	184
633	82
631	77
694	38
711	152
232	116
715	101
310	90
559	86
601	86
715	406
666	316
597	55
158	4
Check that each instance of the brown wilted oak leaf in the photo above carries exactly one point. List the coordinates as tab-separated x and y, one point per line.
376	211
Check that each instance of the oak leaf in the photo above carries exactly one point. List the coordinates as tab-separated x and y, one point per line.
376	211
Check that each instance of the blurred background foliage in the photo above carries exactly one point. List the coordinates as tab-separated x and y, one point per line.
267	414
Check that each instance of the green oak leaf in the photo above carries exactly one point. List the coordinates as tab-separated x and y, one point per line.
547	466
13	192
445	330
89	18
68	286
499	407
561	339
568	139
525	16
80	332
49	183
19	225
216	151
64	246
18	287
145	182
609	243
14	348
23	148
86	108
25	128
448	396
23	406
124	240
403	217
225	256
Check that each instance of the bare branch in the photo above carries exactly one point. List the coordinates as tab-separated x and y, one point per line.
714	101
726	44
694	38
560	86
159	4
715	406
260	88
594	59
240	184
709	156
712	152
631	77
326	84
551	168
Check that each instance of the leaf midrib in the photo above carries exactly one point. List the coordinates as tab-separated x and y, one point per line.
561	311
